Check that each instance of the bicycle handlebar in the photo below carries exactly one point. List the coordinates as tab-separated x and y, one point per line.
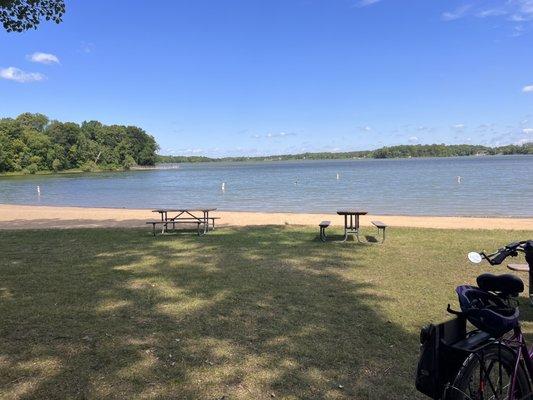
511	249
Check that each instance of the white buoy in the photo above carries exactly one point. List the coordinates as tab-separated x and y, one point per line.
338	177
459	179
223	187
38	190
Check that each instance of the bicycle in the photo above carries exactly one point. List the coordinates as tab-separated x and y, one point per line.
491	361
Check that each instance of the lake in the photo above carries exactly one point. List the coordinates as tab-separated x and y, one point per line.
489	186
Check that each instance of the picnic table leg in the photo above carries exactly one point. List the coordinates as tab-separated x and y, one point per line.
357	228
199	230
345	228
153	229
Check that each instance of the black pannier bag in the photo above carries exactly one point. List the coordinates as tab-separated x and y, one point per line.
439	363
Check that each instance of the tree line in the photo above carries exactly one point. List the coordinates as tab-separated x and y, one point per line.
31	143
404	151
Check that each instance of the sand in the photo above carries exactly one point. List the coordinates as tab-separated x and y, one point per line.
45	217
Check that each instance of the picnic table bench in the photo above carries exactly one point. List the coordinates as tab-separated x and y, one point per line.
381	228
203	222
323	225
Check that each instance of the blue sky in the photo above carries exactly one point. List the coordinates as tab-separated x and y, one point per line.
233	77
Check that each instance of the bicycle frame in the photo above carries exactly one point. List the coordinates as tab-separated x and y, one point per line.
518	343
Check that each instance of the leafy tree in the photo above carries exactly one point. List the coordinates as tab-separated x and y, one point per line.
31	143
35	121
21	15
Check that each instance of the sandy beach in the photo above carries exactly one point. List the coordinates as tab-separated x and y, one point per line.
46	217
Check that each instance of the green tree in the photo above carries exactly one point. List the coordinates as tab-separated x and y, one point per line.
34	121
21	15
31	142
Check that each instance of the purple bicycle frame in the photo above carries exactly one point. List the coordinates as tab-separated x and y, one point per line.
518	344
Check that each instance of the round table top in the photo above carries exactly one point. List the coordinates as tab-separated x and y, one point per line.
519	267
351	212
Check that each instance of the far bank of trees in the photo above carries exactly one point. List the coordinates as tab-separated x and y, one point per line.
405	151
31	143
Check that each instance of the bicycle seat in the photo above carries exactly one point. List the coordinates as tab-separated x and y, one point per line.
506	284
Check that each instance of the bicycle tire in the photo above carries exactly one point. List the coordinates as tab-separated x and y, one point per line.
461	389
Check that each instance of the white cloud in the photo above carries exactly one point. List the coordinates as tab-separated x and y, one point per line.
43	58
527	89
458	126
491	12
456	14
365	128
274	135
522	141
86	47
511	10
413	139
18	75
366	3
527	131
423	128
518	31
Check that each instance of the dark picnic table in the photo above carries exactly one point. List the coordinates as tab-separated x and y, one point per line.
186	215
351	222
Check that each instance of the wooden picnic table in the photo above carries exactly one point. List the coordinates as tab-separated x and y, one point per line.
187	215
351	222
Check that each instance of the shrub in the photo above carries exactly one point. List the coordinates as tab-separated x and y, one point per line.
89	166
56	165
32	168
128	162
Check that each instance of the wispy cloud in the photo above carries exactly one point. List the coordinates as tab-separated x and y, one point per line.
458	13
365	128
520	142
43	58
527	89
511	10
86	47
491	12
413	139
18	75
527	131
274	135
366	3
423	128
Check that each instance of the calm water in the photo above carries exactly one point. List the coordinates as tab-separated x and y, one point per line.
490	186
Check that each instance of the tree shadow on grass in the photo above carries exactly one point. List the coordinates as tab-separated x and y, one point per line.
251	313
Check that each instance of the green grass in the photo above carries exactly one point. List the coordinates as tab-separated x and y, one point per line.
253	313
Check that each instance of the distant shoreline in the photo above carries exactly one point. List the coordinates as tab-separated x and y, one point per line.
393	152
57	217
218	161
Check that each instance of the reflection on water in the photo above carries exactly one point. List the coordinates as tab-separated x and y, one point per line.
441	186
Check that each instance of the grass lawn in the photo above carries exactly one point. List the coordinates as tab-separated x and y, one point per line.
252	313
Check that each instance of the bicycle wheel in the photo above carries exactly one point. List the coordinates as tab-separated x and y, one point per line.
486	375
